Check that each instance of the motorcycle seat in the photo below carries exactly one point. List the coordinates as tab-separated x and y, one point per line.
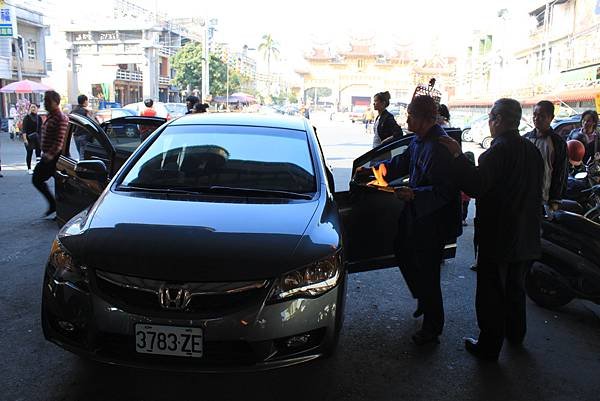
578	224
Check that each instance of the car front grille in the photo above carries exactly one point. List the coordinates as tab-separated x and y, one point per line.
214	299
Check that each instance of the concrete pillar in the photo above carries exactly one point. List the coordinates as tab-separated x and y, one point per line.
150	66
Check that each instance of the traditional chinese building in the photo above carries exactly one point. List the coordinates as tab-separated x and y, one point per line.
355	74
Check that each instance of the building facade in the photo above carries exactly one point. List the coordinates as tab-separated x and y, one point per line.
125	58
355	74
555	57
23	49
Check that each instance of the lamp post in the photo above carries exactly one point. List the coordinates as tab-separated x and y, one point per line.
227	85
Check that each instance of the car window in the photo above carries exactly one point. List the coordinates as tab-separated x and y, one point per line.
240	157
126	136
176	109
364	174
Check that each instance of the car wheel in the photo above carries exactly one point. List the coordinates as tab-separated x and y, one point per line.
466	135
487	142
545	290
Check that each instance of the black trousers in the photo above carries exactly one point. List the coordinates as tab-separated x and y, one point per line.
421	271
44	170
500	302
33	145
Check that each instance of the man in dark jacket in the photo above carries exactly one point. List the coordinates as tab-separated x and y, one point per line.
554	153
431	217
507	185
81	136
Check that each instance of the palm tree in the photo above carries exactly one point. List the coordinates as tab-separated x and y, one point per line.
269	48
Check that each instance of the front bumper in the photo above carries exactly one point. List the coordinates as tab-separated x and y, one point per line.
252	337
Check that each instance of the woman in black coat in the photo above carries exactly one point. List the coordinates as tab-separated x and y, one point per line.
32	132
385	126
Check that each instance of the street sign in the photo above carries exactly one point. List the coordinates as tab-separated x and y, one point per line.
8	22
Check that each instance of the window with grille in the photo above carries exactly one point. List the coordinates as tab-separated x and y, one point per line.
31	50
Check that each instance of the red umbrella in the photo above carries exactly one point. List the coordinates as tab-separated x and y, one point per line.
24	86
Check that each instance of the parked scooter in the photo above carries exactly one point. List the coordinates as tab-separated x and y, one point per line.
570	264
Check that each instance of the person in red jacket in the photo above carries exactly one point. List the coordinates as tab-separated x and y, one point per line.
149	111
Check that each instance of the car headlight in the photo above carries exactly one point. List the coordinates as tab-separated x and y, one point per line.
65	267
309	281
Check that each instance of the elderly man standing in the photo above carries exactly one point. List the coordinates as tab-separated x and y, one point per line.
507	186
431	217
54	131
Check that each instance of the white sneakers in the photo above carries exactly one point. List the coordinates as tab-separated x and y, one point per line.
30	171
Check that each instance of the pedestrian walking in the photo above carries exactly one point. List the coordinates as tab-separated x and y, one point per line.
368	119
588	134
431	216
554	154
507	185
385	126
54	131
80	135
32	128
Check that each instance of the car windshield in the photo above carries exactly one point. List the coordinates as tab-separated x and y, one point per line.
176	108
246	158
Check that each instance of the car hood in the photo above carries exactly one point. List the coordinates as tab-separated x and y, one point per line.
191	240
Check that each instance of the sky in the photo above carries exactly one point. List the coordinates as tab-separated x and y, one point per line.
297	25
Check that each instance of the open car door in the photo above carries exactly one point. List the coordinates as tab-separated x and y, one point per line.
370	216
73	193
127	133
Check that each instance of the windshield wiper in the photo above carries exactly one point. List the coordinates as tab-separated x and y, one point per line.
248	191
134	188
217	188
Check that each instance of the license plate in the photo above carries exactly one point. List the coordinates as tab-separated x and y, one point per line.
168	340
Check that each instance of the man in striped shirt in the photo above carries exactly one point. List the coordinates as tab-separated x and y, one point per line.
54	131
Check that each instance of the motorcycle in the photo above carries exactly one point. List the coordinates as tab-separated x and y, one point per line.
583	195
569	267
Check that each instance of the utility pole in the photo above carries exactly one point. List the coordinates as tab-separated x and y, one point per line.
205	62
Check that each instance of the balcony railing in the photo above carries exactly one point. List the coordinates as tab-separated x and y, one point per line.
29	66
125	75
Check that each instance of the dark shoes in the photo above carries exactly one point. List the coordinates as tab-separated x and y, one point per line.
423	337
475	349
474	267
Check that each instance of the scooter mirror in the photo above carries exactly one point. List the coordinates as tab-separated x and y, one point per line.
581	176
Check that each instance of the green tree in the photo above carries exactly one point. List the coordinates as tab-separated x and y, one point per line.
188	66
218	78
269	49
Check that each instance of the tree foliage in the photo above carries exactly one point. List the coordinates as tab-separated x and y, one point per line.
188	71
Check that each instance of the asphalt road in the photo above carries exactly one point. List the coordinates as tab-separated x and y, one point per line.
375	360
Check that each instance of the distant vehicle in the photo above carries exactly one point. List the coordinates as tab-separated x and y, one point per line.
108	114
564	126
466	133
480	131
164	110
357	113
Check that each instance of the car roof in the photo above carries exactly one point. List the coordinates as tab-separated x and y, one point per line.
246	119
576	118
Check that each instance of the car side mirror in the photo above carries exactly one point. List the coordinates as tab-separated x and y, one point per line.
91	170
581	176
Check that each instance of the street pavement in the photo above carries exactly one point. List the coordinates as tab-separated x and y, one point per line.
376	359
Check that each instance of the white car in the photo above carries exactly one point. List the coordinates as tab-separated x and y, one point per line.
480	131
165	110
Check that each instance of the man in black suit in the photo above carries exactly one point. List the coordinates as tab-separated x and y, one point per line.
507	186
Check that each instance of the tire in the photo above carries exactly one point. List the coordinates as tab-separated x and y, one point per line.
466	135
487	142
545	290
